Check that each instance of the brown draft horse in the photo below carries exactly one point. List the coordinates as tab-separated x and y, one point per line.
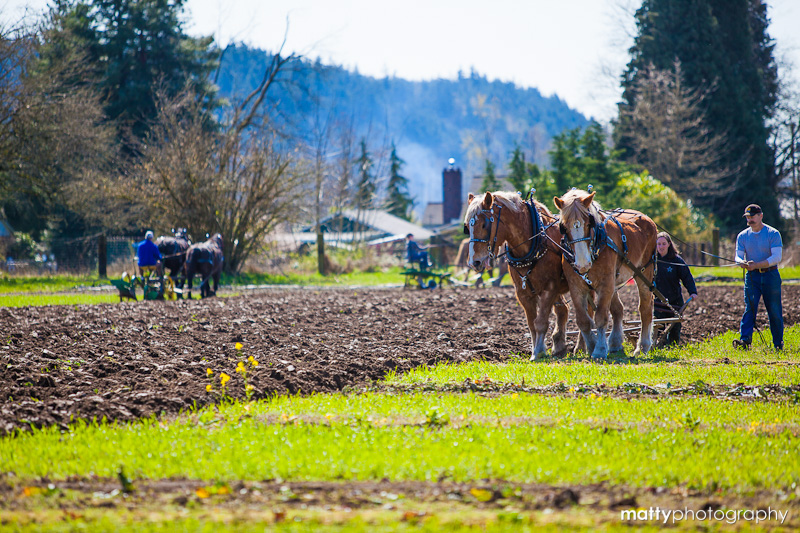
205	258
603	258
534	259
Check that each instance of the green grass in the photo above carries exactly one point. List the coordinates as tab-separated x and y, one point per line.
611	375
735	272
753	451
22	300
58	283
388	276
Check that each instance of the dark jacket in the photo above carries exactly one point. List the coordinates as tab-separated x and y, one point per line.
414	252
147	253
670	272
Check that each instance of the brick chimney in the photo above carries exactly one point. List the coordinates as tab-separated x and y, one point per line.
451	192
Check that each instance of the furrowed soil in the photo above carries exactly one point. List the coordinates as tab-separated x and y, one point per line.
130	360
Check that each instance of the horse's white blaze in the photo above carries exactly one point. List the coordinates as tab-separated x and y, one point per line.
583	256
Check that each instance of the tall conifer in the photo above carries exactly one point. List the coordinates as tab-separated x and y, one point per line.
724	44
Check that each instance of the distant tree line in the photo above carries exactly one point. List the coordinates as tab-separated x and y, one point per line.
113	119
704	126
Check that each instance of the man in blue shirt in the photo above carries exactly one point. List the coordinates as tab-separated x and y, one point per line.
759	249
149	258
416	253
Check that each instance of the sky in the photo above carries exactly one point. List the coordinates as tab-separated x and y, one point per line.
574	49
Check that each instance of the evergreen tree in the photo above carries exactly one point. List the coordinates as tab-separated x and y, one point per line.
723	43
518	177
565	160
398	201
365	188
489	183
135	49
594	161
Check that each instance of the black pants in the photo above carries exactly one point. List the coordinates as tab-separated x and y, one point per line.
661	311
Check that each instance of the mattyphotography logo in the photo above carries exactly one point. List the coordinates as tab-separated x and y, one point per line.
730	516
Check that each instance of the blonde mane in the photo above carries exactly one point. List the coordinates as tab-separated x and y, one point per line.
509	200
574	208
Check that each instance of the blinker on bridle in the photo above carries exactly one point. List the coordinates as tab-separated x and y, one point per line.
489	215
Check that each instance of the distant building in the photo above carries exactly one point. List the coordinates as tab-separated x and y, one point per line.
451	207
371	226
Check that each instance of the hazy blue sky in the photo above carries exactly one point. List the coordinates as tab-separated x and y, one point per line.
572	48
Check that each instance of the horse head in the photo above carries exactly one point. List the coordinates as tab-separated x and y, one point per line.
482	224
181	233
580	217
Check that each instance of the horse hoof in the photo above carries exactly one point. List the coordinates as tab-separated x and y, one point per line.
599	357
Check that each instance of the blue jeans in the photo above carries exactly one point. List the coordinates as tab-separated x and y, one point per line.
768	285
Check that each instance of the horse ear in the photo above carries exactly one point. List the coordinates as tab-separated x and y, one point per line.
559	202
487	200
470	197
588	200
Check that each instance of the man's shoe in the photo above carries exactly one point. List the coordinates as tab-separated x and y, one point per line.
740	344
779	347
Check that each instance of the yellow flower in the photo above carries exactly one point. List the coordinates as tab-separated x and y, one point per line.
238	346
240	368
514	396
254	362
202	492
209	388
209	372
249	388
224	378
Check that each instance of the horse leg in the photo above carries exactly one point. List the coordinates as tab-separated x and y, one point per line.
617	336
528	302
561	309
189	278
646	314
584	320
204	287
604	296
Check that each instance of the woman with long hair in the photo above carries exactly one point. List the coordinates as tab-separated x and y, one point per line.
671	271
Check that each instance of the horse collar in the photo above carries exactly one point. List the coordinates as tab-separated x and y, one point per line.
537	250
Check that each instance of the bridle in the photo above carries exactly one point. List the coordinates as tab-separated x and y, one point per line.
488	214
596	236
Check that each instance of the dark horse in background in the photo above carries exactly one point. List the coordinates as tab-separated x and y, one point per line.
205	258
173	252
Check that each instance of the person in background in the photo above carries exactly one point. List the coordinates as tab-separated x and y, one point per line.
671	271
759	249
416	253
148	258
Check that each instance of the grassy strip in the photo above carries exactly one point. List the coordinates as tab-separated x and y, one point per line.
759	452
610	375
792	272
467	408
56	283
706	362
23	300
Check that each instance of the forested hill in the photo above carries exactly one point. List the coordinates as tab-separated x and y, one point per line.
470	118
